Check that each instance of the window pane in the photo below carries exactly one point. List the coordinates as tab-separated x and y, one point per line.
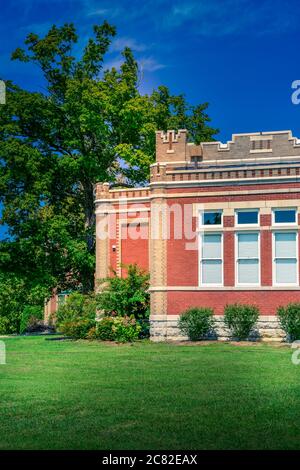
287	216
247	217
248	271
211	271
211	246
212	218
286	271
247	245
285	245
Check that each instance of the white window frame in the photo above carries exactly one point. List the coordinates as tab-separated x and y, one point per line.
280	284
236	244
284	224
246	210
200	264
201	219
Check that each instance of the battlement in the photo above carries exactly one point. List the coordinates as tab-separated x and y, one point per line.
173	147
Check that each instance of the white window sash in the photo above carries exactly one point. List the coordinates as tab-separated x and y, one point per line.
201	219
246	224
246	258
202	260
275	259
284	224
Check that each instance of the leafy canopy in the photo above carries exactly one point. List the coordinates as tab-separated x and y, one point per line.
90	124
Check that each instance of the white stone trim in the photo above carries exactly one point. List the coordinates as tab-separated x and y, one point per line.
199	194
222	288
232	160
238	181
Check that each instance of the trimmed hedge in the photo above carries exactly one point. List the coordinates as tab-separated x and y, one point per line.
289	319
240	319
197	323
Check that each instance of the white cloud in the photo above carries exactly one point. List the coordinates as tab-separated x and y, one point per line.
145	64
120	43
98	12
150	64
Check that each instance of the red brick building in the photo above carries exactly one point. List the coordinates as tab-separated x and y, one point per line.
218	224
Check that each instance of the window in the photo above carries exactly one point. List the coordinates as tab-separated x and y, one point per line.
284	216
211	218
247	217
247	261
211	259
285	265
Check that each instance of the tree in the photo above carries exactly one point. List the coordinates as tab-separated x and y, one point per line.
90	125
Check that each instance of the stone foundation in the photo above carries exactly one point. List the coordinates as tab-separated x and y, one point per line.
165	328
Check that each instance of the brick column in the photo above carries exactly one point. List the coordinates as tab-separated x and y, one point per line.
229	249
102	235
158	267
266	247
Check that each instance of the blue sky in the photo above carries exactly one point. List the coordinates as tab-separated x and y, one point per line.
240	56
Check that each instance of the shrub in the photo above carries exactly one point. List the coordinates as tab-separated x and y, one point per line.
126	329
121	329
289	319
77	329
31	318
197	323
125	296
240	319
104	329
5	326
145	328
92	333
76	307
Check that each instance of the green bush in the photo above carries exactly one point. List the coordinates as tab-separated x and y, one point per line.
77	329
121	329
197	323
5	326
104	329
76	307
125	296
289	319
31	318
240	319
126	329
145	328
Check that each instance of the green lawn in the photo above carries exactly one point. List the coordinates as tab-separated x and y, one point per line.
88	395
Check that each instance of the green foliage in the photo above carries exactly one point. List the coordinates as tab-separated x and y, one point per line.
76	307
104	329
197	323
126	329
126	296
145	328
30	317
240	319
77	329
122	329
91	124
17	292
77	315
289	318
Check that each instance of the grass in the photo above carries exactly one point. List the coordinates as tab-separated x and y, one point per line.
88	395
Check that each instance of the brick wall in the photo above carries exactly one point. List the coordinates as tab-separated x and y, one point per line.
266	300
